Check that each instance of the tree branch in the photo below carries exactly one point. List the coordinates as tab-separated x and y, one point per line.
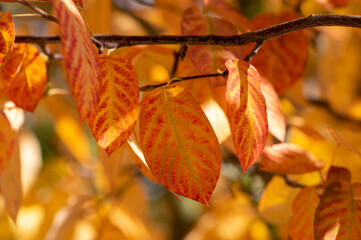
111	41
42	13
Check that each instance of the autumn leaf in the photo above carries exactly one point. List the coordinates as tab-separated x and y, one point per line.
246	109
79	3
113	120
288	158
179	144
208	59
7	141
28	81
10	182
335	174
7	35
278	60
304	208
275	116
80	57
338	214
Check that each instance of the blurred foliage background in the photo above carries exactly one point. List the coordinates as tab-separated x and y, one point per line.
73	190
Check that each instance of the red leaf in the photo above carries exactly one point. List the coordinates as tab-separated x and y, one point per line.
7	34
280	60
246	109
25	70
113	120
338	216
208	59
80	57
288	158
179	144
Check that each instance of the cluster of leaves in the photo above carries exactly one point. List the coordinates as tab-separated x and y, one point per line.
174	131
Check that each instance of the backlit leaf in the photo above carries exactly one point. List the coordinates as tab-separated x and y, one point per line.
276	201
179	144
276	119
288	158
7	34
7	142
208	59
113	120
28	81
80	57
338	216
278	60
246	109
304	208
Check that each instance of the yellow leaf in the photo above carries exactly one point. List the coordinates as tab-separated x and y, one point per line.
275	204
113	120
179	144
80	57
71	134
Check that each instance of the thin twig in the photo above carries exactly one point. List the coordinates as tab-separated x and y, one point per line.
111	41
178	55
42	13
178	79
250	55
291	183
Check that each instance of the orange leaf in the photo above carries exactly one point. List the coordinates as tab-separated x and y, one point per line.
113	120
338	216
276	119
280	60
7	142
77	2
7	34
80	57
227	12
304	208
179	144
26	72
208	59
288	158
246	109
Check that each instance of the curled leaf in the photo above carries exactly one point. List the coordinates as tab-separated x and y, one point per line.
179	144
288	158
246	109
